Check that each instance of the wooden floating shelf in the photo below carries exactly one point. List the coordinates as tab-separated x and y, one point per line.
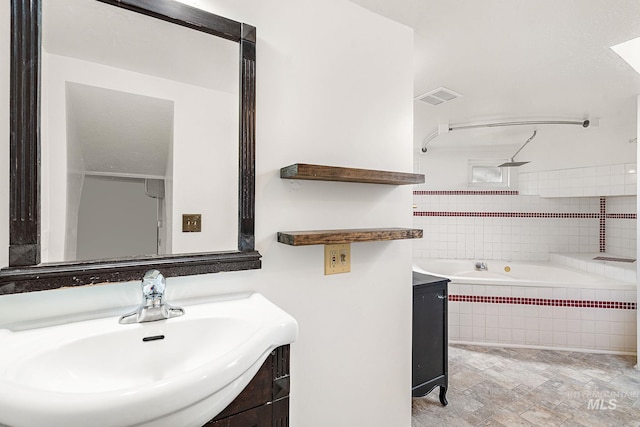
330	237
335	173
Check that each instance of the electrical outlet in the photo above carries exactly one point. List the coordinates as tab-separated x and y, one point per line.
191	223
337	258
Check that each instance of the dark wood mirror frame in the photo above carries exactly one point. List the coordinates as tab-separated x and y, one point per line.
25	273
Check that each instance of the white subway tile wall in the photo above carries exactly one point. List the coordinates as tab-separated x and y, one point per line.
590	209
514	228
621	232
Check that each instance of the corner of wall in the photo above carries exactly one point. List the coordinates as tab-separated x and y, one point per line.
638	230
4	132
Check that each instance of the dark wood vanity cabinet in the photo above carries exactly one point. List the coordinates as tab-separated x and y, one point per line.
265	400
429	356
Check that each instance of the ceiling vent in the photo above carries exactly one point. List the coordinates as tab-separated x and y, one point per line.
438	96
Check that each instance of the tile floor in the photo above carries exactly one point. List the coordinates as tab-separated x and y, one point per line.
495	386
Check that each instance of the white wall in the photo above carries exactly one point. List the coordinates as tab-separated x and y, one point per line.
202	118
448	168
605	142
74	185
334	87
554	147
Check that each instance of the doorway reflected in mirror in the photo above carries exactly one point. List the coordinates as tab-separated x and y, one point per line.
123	99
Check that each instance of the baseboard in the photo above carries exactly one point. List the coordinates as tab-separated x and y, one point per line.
543	347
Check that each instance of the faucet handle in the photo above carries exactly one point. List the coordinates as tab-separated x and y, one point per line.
153	284
153	306
481	265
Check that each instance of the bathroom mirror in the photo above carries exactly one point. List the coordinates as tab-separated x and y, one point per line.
107	103
133	124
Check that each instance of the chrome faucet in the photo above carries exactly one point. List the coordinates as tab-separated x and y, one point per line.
481	266
153	306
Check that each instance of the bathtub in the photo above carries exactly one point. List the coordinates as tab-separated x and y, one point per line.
541	274
537	305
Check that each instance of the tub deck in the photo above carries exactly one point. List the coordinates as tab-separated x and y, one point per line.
518	273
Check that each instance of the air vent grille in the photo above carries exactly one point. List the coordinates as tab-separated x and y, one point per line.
439	96
431	100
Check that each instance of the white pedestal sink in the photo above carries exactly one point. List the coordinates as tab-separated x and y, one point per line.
180	371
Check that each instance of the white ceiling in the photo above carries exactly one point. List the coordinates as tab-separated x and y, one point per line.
518	59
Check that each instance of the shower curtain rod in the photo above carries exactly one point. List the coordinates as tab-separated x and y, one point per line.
431	137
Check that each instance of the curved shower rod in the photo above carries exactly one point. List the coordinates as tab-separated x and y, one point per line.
432	136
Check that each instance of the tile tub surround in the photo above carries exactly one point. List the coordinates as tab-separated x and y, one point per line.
578	319
620	231
537	304
624	271
497	386
503	224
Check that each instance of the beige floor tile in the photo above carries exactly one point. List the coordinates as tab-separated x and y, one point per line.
510	419
504	387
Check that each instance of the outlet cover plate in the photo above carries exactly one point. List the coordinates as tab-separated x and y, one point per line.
337	259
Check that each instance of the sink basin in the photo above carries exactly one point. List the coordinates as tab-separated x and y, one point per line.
180	371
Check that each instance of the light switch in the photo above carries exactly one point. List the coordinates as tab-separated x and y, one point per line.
191	223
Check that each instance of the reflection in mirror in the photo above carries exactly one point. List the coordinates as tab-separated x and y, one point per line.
116	213
108	212
136	131
200	85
